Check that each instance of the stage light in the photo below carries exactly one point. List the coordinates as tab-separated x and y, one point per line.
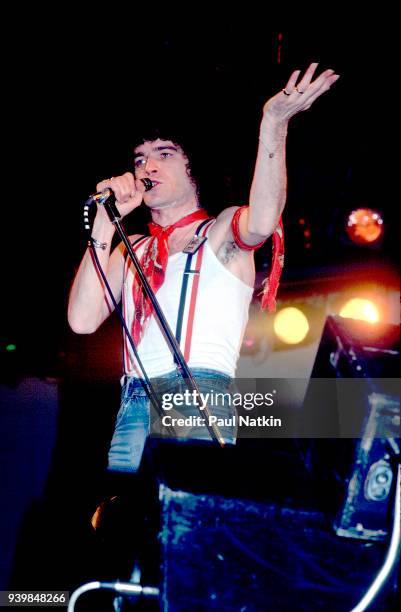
362	309
11	347
364	226
291	325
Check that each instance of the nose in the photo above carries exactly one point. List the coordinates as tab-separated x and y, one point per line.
151	166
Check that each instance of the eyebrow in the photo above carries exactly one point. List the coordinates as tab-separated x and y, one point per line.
161	148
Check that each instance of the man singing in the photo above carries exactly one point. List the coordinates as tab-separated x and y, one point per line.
209	321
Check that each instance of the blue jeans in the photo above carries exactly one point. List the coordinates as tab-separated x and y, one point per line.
133	419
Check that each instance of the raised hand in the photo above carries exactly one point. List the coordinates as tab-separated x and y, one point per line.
299	95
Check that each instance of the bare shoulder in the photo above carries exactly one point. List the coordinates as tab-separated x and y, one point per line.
221	230
120	251
224	218
134	238
236	260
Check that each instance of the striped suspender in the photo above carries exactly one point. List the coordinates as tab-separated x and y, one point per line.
190	285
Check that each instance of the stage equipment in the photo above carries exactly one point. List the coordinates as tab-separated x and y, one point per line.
249	532
360	365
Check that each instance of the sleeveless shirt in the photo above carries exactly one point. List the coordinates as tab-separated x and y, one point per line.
220	319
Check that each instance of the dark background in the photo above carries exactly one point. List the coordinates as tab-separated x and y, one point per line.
77	91
80	90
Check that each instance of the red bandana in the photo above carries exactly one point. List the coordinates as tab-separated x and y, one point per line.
271	283
154	263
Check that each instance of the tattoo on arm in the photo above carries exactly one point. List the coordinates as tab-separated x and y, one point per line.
227	252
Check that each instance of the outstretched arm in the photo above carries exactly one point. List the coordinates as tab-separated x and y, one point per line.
269	185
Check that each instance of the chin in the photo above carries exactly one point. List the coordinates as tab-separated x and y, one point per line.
154	202
159	204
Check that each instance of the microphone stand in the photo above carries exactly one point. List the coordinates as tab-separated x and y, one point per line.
114	216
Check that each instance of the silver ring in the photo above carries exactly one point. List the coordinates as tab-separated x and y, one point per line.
300	92
285	92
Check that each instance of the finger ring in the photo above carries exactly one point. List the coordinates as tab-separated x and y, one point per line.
285	92
300	92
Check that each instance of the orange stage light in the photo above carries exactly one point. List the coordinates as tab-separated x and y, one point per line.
364	226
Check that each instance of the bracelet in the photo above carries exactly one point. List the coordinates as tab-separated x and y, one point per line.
97	244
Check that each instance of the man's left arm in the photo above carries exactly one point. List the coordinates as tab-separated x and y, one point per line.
269	185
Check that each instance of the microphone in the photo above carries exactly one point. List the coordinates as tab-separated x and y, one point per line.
101	196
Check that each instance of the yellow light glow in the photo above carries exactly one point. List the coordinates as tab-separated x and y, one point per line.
361	309
291	325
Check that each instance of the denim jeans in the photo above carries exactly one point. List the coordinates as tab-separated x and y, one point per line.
133	419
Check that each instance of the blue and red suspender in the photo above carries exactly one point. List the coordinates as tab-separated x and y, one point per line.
190	274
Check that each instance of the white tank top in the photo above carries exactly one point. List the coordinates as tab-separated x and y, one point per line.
221	316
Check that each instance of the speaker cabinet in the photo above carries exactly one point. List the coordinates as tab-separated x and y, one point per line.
235	533
360	363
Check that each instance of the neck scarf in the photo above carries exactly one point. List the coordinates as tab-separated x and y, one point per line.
154	263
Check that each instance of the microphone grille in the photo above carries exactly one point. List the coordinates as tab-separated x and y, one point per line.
148	183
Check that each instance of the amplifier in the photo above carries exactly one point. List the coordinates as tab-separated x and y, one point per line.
230	539
361	364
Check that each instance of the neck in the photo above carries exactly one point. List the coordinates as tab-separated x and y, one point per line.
171	213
